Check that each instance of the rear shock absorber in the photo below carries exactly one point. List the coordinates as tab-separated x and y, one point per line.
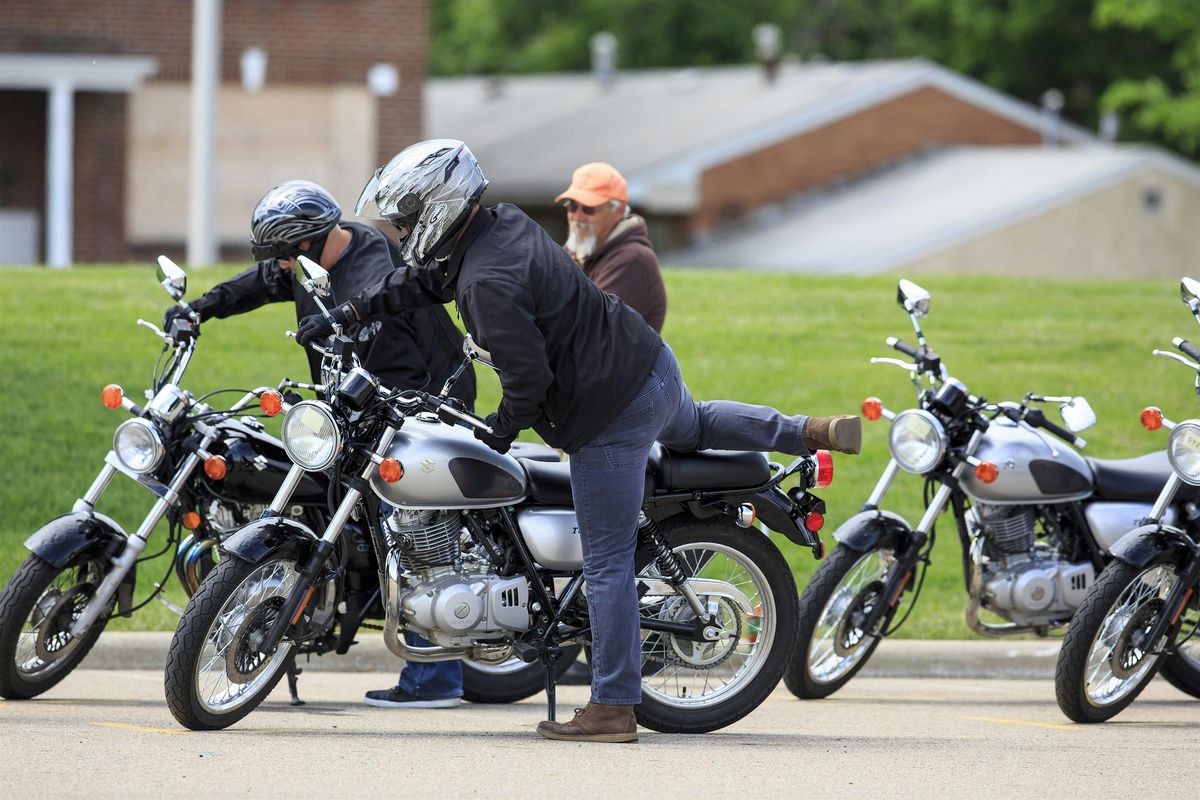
667	561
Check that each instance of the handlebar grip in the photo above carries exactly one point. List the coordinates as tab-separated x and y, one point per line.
907	349
1187	348
1037	418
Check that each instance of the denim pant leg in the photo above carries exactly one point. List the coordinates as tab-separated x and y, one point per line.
435	680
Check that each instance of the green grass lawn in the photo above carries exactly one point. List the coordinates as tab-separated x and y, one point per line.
799	343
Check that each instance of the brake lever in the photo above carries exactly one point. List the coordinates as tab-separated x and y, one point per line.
159	332
894	362
1156	352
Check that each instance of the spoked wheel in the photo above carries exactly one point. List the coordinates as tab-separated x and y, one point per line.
216	670
37	609
745	584
1104	662
511	680
832	644
1181	669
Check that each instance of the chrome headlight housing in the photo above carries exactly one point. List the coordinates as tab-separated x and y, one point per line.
917	441
138	445
1183	451
311	435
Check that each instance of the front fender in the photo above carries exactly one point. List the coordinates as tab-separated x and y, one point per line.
261	539
869	529
62	539
1143	544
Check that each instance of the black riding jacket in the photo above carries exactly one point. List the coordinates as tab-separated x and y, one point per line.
570	356
413	349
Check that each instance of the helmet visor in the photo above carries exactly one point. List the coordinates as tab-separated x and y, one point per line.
366	206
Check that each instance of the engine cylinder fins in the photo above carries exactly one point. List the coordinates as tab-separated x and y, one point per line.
1007	529
423	539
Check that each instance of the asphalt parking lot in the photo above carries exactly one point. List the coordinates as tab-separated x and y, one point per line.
107	733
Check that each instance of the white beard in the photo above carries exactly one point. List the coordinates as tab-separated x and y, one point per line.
581	241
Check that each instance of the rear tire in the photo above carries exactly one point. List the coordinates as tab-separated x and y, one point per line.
510	682
35	589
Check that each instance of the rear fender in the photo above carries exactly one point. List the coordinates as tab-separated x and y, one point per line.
870	529
61	540
1143	544
262	539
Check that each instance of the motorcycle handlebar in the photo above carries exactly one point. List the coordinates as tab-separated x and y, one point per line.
903	347
1036	418
1187	348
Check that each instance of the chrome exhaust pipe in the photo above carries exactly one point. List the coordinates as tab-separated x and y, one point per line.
391	625
974	600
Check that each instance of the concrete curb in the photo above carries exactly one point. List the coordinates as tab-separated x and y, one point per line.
901	658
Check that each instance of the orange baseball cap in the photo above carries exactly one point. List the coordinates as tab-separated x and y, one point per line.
594	184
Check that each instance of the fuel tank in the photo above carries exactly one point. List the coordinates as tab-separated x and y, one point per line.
446	467
1030	469
256	466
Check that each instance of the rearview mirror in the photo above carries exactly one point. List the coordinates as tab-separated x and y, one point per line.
172	278
1077	414
912	298
1189	291
315	275
477	353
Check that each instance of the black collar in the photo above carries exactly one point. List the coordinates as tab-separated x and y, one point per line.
484	219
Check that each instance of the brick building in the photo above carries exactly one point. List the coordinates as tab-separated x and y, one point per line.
314	116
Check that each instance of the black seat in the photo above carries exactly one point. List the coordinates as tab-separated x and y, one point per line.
708	469
549	481
1140	478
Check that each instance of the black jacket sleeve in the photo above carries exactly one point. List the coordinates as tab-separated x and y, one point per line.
401	289
265	282
506	324
394	353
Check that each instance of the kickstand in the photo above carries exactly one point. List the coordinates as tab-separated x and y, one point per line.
549	656
293	674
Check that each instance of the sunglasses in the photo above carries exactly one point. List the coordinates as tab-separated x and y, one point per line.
571	206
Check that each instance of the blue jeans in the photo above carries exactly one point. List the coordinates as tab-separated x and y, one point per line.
608	482
435	680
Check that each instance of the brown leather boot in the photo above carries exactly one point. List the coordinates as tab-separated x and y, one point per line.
842	433
594	723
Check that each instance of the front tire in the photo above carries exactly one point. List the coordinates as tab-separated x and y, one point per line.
512	680
1100	669
697	687
832	648
215	673
37	608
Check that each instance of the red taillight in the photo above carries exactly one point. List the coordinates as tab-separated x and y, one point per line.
872	408
987	472
1152	418
814	521
391	470
824	468
271	403
215	468
191	520
112	395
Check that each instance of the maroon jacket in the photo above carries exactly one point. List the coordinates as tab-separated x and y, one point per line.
625	265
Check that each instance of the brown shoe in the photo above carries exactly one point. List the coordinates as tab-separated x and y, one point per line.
842	433
594	723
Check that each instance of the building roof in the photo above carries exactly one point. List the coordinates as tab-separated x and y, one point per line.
923	206
664	128
95	73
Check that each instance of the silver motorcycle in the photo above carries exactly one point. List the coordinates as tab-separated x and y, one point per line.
1140	617
480	554
1036	520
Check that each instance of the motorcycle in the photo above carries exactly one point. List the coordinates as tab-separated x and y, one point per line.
480	554
1035	520
83	565
1131	622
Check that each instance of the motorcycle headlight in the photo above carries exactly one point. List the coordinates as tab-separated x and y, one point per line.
311	436
917	441
1183	451
138	445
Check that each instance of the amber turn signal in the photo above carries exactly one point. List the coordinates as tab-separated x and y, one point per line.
1152	418
271	403
215	467
987	472
112	395
814	521
872	408
191	520
391	470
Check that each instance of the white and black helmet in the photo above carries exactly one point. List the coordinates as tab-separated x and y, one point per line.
291	213
426	192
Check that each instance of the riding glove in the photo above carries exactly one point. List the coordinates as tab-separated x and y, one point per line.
316	326
498	442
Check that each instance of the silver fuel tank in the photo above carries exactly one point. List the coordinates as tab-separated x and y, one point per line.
1030	469
446	467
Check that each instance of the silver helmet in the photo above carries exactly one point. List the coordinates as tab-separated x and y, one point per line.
291	213
426	192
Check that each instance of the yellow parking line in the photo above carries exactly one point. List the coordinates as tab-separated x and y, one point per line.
1058	726
126	727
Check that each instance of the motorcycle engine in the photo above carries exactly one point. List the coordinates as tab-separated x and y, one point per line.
1024	581
449	597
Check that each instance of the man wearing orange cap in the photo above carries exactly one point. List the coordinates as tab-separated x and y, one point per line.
610	243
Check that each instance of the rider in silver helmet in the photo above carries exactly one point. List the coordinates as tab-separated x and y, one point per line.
575	364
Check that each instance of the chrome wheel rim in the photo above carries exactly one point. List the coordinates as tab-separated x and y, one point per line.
44	639
228	674
685	674
838	644
1115	667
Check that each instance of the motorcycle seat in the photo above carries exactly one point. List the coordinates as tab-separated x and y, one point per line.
708	469
1140	478
549	481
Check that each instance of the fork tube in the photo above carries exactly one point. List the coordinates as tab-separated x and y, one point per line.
935	509
92	496
1165	497
885	483
290	482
